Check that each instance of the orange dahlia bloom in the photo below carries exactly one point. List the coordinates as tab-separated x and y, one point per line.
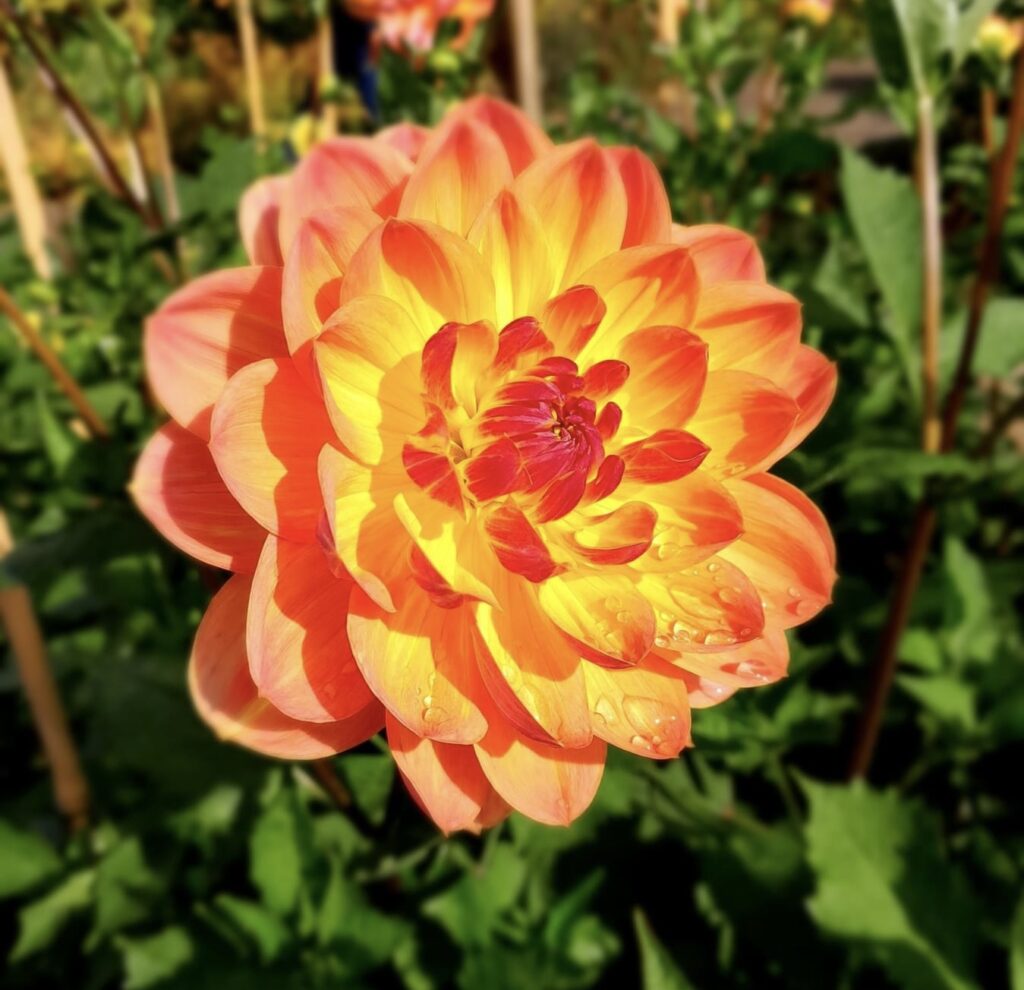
815	12
484	439
412	24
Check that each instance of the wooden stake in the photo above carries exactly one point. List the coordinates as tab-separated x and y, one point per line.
527	58
931	309
18	618
251	65
25	197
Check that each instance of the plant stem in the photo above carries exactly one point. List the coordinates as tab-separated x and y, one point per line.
65	381
251	64
527	60
925	518
329	780
931	309
19	621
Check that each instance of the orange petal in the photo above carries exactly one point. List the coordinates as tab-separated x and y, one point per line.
206	332
369	361
749	326
649	217
298	649
641	287
811	380
445	780
570	319
406	138
434	275
709	608
643	710
602	613
616	537
782	550
523	140
800	502
267	432
258	214
177	488
546	783
722	254
225	695
318	258
342	172
462	167
361	524
511	239
667	371
578	192
761	661
745	420
531	671
420	661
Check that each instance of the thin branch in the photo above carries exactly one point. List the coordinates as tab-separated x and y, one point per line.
923	527
67	384
18	619
251	65
931	219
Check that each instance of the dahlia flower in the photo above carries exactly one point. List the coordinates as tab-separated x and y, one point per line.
412	24
999	37
814	12
484	440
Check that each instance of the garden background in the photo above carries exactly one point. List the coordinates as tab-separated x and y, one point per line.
789	848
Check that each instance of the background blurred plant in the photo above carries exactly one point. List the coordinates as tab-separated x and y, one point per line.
747	863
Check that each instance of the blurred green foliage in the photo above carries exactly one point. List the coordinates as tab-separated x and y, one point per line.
747	863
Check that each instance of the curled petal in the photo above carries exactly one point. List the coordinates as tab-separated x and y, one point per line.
649	217
445	780
462	167
225	695
455	363
666	456
615	537
603	614
258	214
668	368
783	549
745	420
267	432
177	488
320	253
420	661
722	254
704	609
206	332
299	656
643	710
342	172
544	782
530	671
570	319
518	545
522	139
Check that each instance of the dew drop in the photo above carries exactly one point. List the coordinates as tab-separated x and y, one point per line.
605	710
713	566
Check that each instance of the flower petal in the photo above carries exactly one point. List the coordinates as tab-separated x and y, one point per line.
782	550
571	319
206	332
320	254
420	661
649	217
406	138
297	643
461	169
445	780
643	709
811	380
258	214
177	488
347	171
225	695
544	782
267	431
667	371
721	254
761	661
522	139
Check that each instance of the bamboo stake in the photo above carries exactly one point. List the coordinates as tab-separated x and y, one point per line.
669	12
251	65
527	59
931	220
327	110
60	374
18	618
923	527
25	197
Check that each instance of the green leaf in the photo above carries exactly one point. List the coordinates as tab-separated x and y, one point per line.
884	885
370	778
967	26
26	860
126	889
275	854
886	217
659	970
1001	342
58	442
913	41
40	922
153	958
968	630
1017	948
950	699
264	929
